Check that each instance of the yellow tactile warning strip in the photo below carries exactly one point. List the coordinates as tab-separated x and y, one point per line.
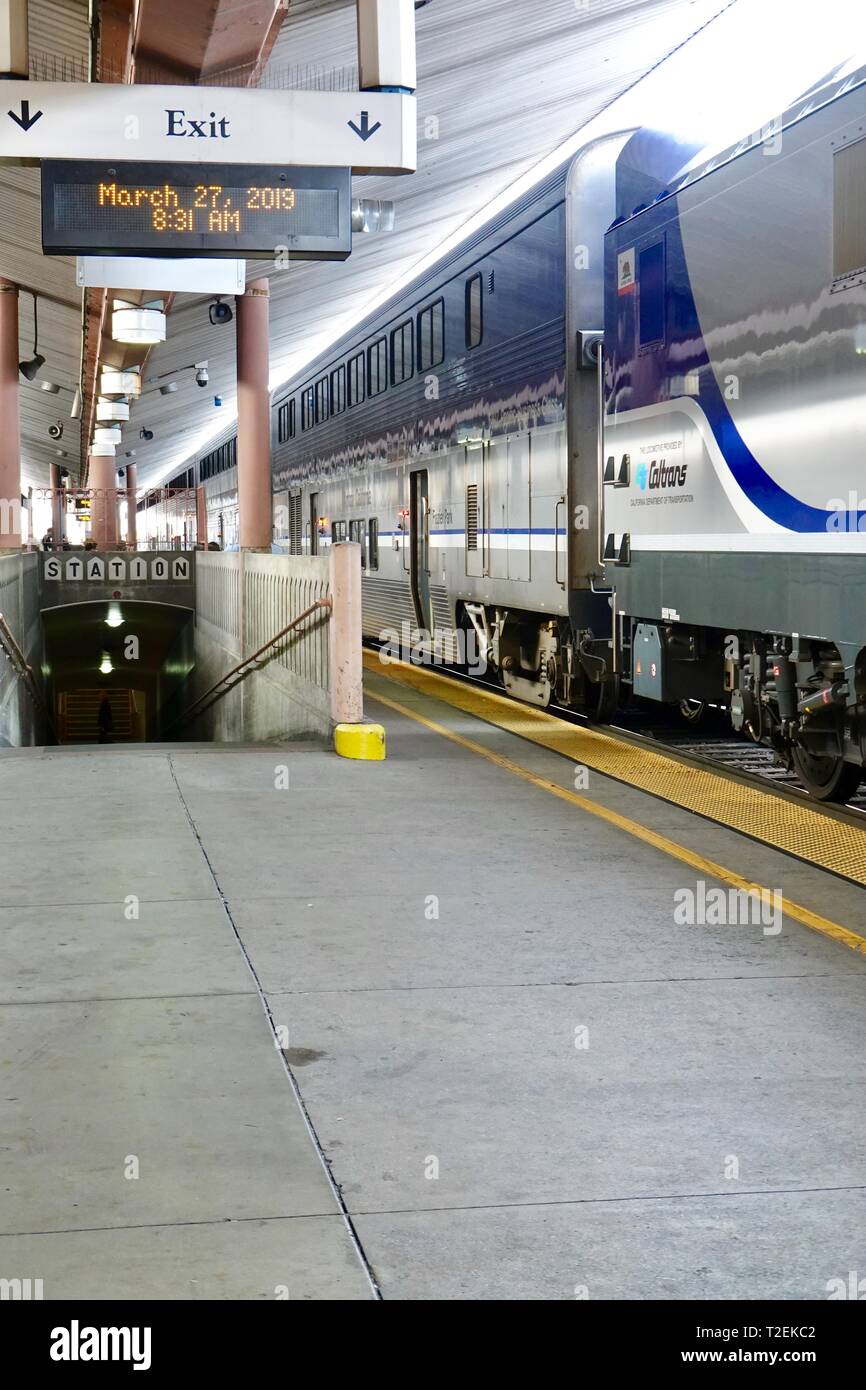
834	930
790	826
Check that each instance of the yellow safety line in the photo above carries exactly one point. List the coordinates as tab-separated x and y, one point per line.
791	826
798	913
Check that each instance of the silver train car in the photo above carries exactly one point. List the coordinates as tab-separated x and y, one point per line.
613	440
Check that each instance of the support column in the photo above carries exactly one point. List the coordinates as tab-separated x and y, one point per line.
102	476
10	424
344	634
386	45
255	505
58	505
131	513
14	46
201	516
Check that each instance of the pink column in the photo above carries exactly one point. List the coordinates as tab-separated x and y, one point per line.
58	504
201	516
102	479
254	423
10	427
344	634
131	514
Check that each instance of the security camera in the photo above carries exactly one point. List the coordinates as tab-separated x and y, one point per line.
201	374
220	312
56	431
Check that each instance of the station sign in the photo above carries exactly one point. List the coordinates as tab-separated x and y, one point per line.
198	210
367	132
69	567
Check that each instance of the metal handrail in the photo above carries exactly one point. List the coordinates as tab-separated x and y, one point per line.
242	669
24	672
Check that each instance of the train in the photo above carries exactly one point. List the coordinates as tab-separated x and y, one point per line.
615	438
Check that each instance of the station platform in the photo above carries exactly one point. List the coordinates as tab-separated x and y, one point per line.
280	1025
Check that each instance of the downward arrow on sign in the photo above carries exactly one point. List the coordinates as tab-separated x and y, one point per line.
25	120
365	130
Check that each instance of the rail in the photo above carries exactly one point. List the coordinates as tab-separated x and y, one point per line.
242	669
24	672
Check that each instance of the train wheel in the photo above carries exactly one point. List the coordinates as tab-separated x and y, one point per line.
825	777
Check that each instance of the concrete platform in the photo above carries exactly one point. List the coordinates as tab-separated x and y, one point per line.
501	1068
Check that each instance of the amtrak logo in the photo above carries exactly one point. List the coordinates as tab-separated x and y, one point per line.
641	475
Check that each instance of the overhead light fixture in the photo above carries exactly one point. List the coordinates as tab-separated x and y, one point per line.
372	215
50	386
31	366
115	617
107	434
145	434
112	410
75	412
168	389
105	665
138	324
117	382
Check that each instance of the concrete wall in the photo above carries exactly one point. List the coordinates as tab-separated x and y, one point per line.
21	724
243	599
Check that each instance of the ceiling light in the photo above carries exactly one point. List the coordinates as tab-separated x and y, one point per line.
133	324
115	617
145	434
120	383
105	665
168	389
75	412
29	368
112	410
50	386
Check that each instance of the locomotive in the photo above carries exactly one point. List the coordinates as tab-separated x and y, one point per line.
616	436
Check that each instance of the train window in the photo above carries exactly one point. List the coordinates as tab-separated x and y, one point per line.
356	380
286	421
308	408
402	352
377	367
474	311
356	533
651	293
849	208
338	391
431	336
373	543
323	400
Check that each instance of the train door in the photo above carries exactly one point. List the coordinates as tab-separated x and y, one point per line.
314	523
419	559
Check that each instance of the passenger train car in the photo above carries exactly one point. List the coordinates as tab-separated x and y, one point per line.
617	437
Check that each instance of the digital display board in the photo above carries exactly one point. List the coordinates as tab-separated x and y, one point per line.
235	210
